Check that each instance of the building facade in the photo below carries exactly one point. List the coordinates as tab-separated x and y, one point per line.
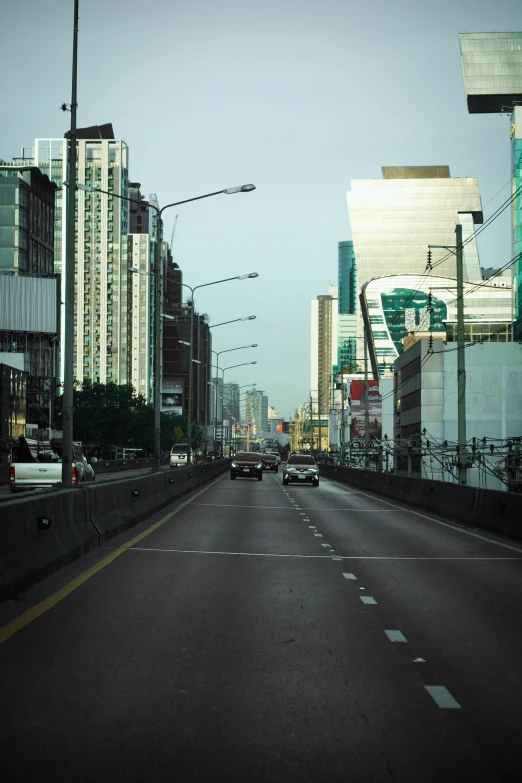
399	306
426	409
323	357
257	411
492	71
29	302
101	340
395	219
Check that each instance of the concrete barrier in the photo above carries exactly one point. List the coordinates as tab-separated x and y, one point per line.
487	509
41	534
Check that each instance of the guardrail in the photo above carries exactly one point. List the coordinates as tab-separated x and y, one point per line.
487	509
41	534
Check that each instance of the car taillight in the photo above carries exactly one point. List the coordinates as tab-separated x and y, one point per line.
12	474
74	474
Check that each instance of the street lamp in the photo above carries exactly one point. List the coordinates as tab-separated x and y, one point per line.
246	318
192	289
218	353
243	364
68	348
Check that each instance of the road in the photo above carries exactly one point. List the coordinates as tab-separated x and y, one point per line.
270	633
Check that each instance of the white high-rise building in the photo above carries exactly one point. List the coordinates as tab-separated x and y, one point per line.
323	355
394	220
114	313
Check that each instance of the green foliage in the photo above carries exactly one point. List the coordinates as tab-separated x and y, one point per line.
112	415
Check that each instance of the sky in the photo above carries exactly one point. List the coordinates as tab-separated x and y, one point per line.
298	97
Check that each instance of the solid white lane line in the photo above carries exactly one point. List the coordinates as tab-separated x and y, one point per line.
452	526
367	599
399	557
350	576
395	636
233	505
442	697
242	554
335	557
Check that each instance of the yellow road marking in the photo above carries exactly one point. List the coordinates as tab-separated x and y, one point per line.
39	609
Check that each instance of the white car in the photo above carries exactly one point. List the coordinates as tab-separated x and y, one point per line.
179	456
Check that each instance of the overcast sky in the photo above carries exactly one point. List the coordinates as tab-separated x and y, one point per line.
295	96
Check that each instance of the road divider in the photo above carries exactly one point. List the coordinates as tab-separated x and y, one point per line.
488	509
43	533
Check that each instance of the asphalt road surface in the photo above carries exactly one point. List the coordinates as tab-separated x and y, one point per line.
270	633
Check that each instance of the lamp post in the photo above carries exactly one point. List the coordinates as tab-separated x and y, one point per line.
235	320
189	406
216	366
67	443
243	364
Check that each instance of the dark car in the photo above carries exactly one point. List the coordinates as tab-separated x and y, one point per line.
271	462
301	468
247	463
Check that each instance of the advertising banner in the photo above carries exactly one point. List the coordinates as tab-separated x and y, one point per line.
374	407
172	399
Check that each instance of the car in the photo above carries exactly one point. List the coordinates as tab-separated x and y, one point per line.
248	464
178	456
301	468
276	455
270	462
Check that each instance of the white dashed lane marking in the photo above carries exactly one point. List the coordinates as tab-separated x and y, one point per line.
395	636
350	576
442	697
367	599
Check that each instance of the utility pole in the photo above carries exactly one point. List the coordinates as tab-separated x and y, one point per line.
68	347
461	361
366	409
341	439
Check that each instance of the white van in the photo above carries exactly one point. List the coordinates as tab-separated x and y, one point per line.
178	455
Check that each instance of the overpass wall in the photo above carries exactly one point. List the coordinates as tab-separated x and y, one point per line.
487	509
82	519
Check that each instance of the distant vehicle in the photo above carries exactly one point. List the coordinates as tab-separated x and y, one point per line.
301	468
270	462
276	455
179	456
212	455
40	465
247	463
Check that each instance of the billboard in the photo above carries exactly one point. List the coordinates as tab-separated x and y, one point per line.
357	427
172	399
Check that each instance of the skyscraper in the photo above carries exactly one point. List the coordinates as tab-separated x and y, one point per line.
323	356
393	221
114	309
492	70
101	350
257	411
347	307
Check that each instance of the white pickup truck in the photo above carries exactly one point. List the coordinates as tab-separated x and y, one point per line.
36	465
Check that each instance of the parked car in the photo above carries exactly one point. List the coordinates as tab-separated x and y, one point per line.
270	462
43	468
179	456
301	468
247	463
